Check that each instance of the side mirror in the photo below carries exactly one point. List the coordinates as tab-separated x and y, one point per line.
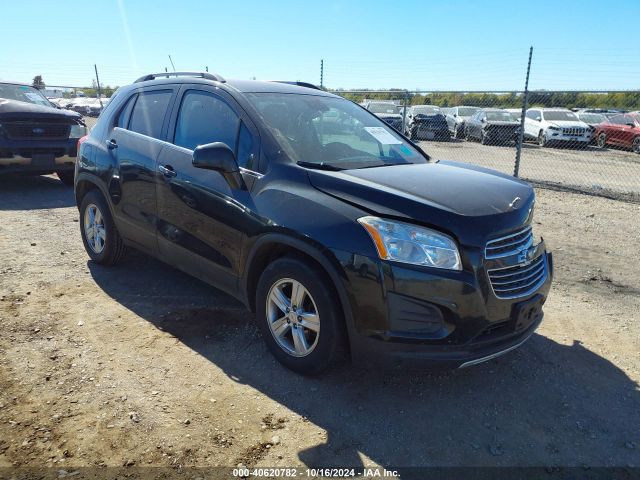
631	124
219	157
538	119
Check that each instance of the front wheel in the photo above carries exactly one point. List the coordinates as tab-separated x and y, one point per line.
542	139
66	177
298	316
99	233
602	140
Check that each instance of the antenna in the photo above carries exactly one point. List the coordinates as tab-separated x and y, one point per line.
172	65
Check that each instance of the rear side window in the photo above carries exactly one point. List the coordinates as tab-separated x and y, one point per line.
123	116
149	111
204	118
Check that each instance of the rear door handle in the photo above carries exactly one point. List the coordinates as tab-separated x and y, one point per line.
111	144
167	170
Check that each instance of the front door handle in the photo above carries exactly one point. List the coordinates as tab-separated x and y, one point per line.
167	170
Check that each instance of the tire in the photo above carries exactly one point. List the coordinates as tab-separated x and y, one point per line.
112	249
484	140
542	139
324	346
602	140
66	177
635	146
411	135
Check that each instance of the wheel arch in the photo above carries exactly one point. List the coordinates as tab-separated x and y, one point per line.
272	246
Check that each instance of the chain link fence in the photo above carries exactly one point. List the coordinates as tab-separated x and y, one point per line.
581	141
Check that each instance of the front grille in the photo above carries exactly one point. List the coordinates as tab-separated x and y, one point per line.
576	131
509	245
36	131
520	280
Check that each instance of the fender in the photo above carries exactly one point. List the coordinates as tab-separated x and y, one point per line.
330	265
97	182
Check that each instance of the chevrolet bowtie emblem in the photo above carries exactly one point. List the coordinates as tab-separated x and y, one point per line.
515	202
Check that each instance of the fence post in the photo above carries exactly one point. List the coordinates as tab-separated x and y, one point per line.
516	169
404	111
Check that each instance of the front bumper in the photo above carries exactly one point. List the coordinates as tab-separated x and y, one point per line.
37	157
419	317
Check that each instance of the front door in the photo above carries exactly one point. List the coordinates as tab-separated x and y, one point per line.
201	219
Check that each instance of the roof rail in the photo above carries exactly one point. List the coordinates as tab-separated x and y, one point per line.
205	75
299	84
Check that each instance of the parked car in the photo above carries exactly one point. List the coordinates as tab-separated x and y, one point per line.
349	241
426	122
37	138
492	126
620	131
555	126
593	120
387	112
456	118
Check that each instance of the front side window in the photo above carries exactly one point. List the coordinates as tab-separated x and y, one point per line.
331	132
205	118
149	111
499	117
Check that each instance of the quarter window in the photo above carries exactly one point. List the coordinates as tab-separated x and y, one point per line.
205	118
123	117
149	111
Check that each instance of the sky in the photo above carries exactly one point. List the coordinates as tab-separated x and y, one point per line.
408	44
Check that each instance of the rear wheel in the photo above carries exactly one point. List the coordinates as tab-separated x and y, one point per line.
602	140
635	146
99	233
297	314
66	177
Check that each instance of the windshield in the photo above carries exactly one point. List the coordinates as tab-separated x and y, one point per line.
592	118
427	110
331	132
554	115
382	108
500	117
466	111
23	93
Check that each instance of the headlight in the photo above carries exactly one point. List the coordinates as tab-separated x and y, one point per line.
77	131
554	128
406	243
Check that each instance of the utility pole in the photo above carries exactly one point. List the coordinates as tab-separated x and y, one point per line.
95	67
525	100
172	65
321	73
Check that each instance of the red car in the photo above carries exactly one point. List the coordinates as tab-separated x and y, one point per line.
621	130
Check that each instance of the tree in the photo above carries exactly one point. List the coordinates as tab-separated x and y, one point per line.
38	82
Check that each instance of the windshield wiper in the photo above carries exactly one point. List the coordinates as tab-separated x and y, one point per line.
320	166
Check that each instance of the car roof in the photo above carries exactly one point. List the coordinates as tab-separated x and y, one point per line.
242	86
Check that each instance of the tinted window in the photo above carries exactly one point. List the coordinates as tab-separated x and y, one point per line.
618	120
532	114
123	117
205	118
149	111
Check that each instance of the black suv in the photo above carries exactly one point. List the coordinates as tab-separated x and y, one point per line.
339	233
36	138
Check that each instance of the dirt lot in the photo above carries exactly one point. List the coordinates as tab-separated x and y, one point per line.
142	365
590	168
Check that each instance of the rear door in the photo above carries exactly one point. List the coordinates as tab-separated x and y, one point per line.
531	124
614	129
135	144
201	219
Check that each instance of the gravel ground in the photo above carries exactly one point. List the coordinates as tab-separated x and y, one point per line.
143	365
592	169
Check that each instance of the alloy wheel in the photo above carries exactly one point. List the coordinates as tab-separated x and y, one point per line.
293	317
602	140
94	229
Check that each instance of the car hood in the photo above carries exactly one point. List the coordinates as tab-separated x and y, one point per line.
388	115
568	124
16	110
470	202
